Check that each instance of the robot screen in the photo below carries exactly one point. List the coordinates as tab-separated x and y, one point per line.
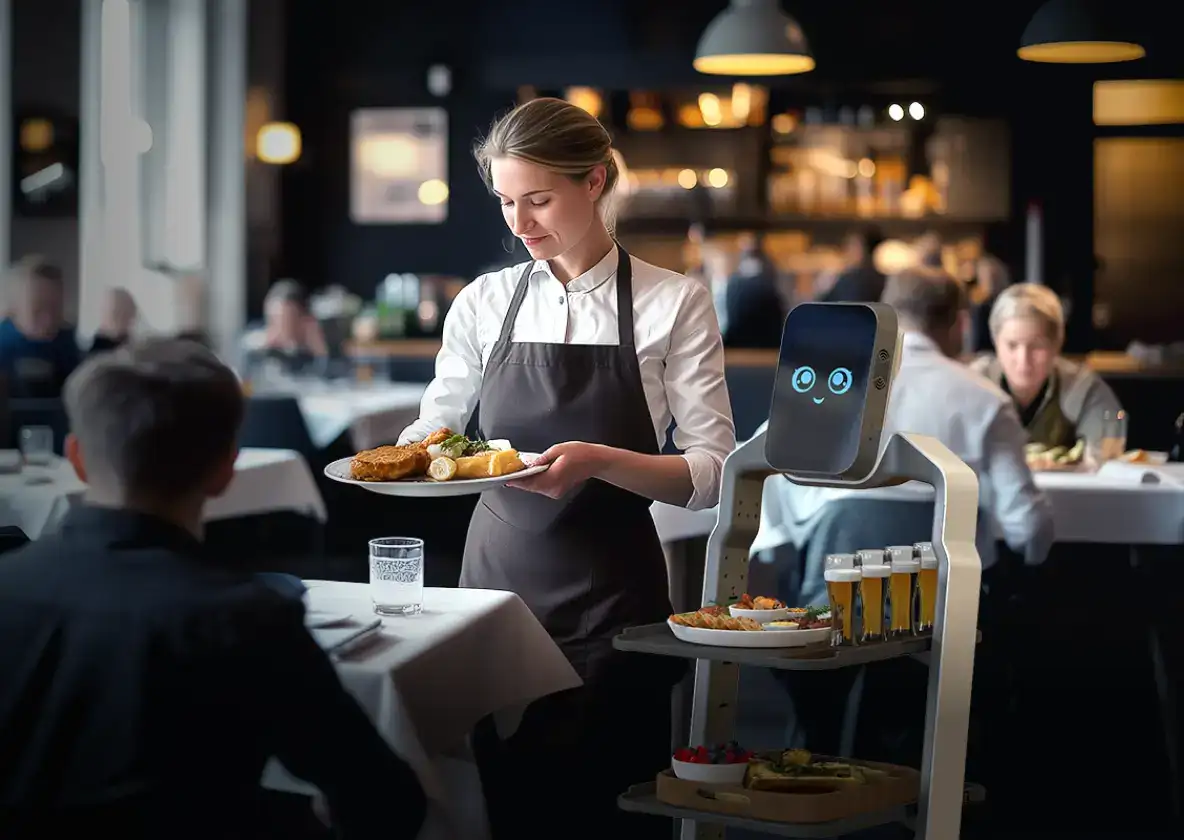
816	422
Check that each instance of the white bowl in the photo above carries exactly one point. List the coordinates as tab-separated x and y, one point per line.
709	774
763	616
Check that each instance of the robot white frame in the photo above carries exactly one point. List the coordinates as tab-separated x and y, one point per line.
951	658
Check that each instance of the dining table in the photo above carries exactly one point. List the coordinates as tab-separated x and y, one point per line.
37	497
426	680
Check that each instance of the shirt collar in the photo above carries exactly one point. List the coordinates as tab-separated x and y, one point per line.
591	279
918	341
115	528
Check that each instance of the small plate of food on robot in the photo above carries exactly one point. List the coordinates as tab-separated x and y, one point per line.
714	625
769	610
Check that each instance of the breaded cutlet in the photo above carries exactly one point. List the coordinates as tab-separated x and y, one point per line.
390	463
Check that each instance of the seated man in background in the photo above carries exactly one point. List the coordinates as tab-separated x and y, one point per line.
860	281
144	684
935	395
37	348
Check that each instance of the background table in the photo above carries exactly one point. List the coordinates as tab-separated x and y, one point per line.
265	481
428	679
373	415
1119	505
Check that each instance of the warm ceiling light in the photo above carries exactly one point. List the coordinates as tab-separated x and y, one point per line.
278	143
1079	32
753	38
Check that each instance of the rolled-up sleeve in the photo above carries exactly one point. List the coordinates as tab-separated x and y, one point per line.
452	395
698	395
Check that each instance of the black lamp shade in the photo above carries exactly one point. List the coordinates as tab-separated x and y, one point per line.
753	38
1081	32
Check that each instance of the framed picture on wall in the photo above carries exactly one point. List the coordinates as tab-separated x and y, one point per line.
399	166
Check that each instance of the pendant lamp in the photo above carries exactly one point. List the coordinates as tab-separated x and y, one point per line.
753	38
1080	32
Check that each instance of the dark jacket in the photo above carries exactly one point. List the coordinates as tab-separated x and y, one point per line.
143	687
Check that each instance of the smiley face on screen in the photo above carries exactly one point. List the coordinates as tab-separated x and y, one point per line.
838	382
820	388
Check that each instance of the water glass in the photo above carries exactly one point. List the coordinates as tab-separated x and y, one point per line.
396	575
1111	443
36	443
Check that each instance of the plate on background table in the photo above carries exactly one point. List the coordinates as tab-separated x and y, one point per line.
426	488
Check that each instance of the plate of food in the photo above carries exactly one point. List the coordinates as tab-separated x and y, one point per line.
716	627
443	464
1043	458
760	608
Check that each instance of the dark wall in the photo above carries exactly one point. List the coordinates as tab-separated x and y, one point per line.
372	54
340	60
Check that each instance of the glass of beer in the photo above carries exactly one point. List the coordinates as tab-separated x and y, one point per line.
873	593
926	586
842	576
902	590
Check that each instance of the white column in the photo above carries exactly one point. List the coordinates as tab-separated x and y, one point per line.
5	132
185	140
90	172
226	286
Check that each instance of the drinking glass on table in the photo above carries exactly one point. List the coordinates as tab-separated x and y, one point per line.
36	444
1111	443
396	575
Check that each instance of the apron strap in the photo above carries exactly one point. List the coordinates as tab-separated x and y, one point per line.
624	298
624	301
516	304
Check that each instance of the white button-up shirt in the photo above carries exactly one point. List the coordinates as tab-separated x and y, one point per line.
937	396
679	351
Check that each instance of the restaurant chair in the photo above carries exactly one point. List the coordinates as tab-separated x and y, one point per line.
275	421
750	389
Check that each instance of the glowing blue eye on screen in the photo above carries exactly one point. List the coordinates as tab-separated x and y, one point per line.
840	381
803	379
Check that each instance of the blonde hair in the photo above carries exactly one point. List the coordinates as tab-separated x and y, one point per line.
1029	300
557	136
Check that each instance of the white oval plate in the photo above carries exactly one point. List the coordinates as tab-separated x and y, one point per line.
763	616
749	638
425	487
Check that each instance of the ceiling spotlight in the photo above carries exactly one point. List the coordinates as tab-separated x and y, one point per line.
895	112
917	111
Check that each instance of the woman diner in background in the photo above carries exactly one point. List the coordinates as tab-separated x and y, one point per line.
1059	401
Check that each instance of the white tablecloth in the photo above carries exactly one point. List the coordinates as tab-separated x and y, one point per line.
374	415
430	678
1122	505
265	480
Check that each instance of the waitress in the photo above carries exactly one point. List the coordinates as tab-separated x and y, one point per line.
586	355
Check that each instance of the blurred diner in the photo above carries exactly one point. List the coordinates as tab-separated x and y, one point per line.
38	349
1059	401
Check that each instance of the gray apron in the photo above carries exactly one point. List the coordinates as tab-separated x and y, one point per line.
587	565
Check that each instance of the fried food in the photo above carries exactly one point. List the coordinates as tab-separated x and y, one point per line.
760	602
390	463
433	439
489	464
705	620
